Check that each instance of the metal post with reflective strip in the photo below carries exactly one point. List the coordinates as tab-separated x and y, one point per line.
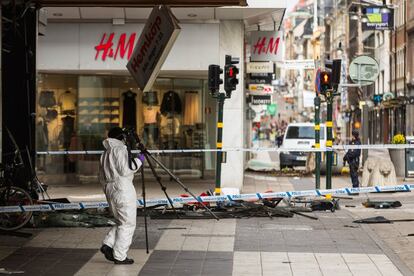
329	139
317	102
220	99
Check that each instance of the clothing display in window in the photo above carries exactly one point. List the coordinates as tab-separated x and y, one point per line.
47	99
67	102
150	98
42	135
150	114
68	128
151	131
170	126
192	108
129	116
51	114
171	103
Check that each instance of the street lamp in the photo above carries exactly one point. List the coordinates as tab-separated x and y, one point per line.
364	18
354	16
384	9
339	50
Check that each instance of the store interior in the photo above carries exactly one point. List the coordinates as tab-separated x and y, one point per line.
75	112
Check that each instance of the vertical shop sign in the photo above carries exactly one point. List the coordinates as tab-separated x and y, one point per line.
154	44
266	46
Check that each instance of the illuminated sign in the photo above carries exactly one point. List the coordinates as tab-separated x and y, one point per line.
378	20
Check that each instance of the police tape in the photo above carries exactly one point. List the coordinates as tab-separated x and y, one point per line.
210	199
281	149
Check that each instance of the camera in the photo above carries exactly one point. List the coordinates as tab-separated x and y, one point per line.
132	143
131	138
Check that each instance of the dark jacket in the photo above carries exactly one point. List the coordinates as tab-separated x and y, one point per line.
171	103
352	156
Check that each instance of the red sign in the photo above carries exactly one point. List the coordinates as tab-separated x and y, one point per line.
122	48
266	46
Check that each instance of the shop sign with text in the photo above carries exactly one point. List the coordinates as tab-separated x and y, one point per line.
259	67
261	99
154	44
260	79
266	46
261	88
378	20
112	46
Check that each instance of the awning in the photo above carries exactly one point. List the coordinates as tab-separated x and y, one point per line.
139	3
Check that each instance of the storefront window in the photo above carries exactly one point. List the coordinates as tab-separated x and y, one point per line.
75	113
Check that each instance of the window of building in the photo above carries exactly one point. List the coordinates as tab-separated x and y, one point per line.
75	113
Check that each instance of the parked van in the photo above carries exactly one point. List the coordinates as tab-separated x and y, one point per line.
299	136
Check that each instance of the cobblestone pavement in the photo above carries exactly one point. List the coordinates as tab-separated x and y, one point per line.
331	245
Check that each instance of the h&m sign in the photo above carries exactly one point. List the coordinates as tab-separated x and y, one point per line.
266	46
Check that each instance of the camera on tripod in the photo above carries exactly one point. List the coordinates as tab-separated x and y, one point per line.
131	138
132	143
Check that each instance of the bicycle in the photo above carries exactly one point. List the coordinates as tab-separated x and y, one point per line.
11	195
18	195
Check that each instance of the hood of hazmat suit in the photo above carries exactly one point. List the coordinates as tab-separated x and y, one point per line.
116	178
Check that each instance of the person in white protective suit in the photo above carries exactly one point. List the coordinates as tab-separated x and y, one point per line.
116	176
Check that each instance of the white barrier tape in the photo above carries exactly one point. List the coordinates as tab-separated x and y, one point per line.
333	148
251	197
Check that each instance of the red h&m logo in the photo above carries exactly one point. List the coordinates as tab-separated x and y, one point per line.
124	46
265	46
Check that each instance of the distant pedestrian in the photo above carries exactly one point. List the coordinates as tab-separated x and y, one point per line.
352	157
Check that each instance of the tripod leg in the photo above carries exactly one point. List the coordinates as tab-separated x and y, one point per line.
163	188
145	208
176	179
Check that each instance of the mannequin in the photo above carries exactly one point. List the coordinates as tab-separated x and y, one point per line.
151	114
68	129
67	103
171	103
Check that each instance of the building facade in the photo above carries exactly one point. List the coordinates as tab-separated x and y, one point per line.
84	89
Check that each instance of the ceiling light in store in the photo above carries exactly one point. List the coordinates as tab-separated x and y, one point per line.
192	15
57	14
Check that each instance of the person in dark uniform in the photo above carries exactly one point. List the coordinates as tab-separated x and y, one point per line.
352	157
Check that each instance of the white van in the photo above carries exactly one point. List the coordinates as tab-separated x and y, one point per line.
299	136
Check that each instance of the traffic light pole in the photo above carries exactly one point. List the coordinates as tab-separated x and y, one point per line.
329	140
329	86
220	100
317	102
230	83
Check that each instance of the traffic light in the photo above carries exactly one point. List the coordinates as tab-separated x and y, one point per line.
214	81
326	82
335	66
230	74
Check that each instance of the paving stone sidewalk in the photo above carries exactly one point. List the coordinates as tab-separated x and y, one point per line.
331	245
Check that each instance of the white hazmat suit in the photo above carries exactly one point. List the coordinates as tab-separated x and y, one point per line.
116	178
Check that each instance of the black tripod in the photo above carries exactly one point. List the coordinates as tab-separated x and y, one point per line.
149	158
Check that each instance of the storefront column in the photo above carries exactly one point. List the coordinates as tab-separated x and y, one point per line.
232	43
1	94
19	79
